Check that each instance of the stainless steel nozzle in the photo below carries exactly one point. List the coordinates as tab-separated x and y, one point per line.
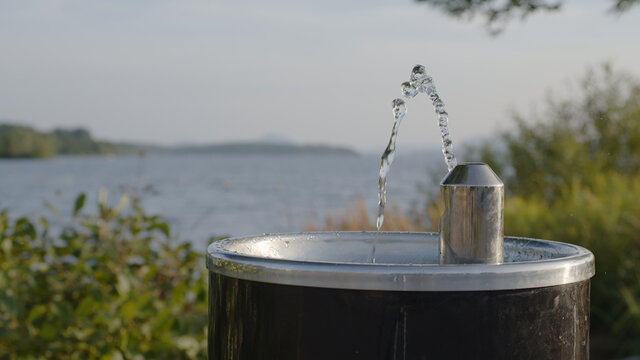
471	226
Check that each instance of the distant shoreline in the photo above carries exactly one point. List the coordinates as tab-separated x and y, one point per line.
23	142
263	148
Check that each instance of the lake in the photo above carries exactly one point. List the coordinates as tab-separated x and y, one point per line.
204	195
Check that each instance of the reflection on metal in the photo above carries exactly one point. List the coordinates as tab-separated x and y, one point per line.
404	262
471	226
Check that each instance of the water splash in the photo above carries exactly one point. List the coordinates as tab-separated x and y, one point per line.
419	82
399	112
424	83
409	90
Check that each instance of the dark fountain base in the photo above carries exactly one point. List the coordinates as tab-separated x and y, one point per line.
256	320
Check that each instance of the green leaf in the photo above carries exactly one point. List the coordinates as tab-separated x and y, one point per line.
79	203
53	209
86	306
36	312
48	331
44	224
7	245
143	299
124	285
112	355
162	226
128	310
24	227
178	293
162	321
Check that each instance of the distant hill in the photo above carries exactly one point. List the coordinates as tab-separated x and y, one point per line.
18	141
264	148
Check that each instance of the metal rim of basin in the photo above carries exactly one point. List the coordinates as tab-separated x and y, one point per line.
405	262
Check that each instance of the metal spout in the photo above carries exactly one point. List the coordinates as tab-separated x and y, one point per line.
472	225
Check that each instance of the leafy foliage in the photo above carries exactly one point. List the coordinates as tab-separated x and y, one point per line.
499	12
574	140
605	218
105	286
573	175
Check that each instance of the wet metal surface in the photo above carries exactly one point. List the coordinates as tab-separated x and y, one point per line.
471	225
404	262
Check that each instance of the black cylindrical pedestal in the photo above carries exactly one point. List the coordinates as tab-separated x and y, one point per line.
322	296
252	320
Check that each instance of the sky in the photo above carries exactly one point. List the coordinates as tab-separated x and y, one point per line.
196	71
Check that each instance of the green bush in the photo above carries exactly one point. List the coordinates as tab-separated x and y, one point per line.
573	140
573	175
605	218
104	286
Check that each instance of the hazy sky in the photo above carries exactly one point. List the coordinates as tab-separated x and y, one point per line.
321	71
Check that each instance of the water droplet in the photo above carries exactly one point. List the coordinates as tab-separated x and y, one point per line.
373	252
408	90
418	72
380	219
429	88
398	107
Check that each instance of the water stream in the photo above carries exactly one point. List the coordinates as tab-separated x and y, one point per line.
399	112
419	82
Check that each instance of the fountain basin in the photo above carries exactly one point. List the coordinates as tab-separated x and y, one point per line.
384	295
403	262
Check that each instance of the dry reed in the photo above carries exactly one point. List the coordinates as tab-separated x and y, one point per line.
357	218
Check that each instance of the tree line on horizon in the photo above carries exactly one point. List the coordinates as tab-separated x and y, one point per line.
19	141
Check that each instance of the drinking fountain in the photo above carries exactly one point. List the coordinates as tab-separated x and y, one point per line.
466	292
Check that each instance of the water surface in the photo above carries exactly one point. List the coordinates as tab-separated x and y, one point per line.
204	195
